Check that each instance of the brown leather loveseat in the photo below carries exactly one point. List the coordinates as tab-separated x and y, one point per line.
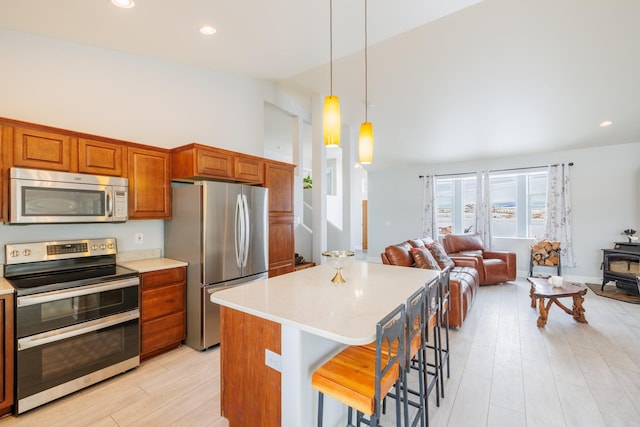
463	278
493	266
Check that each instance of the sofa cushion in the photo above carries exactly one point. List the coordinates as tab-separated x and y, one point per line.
423	258
463	242
420	242
400	254
471	253
440	255
470	273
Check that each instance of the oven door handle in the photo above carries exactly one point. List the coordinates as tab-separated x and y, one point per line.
76	330
45	297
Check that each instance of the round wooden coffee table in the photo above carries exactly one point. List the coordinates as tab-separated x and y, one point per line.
541	289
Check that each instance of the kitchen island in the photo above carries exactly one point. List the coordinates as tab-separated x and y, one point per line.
277	331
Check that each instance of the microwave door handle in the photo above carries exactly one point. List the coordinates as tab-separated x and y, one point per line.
109	203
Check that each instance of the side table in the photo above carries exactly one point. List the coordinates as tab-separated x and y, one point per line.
541	289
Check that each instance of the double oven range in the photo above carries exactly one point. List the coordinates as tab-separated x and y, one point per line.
77	317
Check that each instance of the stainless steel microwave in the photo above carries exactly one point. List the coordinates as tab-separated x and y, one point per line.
40	197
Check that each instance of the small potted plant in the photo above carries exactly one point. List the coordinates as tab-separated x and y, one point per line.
307	183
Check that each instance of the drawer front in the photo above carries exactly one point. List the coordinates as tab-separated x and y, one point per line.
162	332
162	301
155	279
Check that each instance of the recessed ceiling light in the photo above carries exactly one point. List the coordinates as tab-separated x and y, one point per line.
207	30
126	4
606	123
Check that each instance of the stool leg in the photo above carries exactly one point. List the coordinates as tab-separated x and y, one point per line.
438	367
320	408
441	359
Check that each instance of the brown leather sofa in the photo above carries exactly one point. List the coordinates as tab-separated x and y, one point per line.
463	277
493	266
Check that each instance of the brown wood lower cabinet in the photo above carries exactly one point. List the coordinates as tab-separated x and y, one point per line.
281	245
162	311
251	391
6	363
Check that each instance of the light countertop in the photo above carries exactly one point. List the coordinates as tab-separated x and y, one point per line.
309	301
152	264
5	287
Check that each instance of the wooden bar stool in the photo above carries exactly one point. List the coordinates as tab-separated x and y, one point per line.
416	313
416	308
431	371
361	378
443	308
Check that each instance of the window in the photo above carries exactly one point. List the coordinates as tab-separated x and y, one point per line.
455	205
518	204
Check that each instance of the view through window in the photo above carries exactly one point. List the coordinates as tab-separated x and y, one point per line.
518	204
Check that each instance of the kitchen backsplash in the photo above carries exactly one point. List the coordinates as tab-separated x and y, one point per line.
137	255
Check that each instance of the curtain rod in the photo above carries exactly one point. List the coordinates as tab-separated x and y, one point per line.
498	170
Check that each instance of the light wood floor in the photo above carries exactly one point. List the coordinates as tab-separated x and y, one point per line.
505	372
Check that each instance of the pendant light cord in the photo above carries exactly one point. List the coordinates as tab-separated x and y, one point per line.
331	47
366	73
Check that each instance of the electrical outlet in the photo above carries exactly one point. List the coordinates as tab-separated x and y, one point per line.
139	238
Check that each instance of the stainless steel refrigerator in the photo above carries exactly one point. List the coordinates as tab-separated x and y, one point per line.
221	230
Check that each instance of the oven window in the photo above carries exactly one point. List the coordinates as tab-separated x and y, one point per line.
62	202
79	307
46	316
61	360
45	366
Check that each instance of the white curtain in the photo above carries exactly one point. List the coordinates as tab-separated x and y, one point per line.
429	207
559	223
483	208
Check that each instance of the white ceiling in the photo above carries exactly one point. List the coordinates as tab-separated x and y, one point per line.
449	80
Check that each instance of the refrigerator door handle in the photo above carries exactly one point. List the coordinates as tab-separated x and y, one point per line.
239	231
247	231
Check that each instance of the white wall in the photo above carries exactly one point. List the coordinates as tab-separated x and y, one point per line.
132	98
604	197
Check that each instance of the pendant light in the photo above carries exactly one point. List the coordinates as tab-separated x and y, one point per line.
331	113
365	145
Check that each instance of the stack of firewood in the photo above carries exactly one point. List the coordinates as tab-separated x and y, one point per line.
545	253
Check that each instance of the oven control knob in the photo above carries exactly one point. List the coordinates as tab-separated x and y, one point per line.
94	247
26	252
14	253
110	246
103	246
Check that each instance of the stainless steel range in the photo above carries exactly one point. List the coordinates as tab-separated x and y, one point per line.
77	317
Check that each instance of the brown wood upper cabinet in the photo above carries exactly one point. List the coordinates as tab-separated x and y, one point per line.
42	149
149	183
248	169
101	158
279	181
195	161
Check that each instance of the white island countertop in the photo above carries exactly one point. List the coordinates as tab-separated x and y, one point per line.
307	299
